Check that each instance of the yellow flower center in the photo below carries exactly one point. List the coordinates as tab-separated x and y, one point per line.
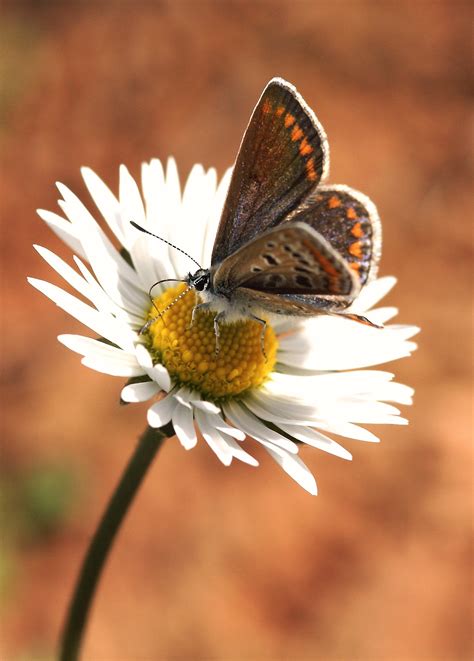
189	351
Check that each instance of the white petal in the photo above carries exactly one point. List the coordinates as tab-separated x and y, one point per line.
173	186
65	271
103	302
215	214
380	316
131	206
159	213
372	293
139	392
111	367
220	424
64	229
295	468
395	392
157	372
213	209
239	453
205	406
172	208
161	412
347	429
183	424
102	357
213	438
188	234
356	410
105	201
273	414
117	278
153	186
253	427
160	374
148	272
331	386
333	343
104	325
316	440
184	397
288	405
90	348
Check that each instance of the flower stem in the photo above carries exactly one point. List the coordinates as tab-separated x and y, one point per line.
148	445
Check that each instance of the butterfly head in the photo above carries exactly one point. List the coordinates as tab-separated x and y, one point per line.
200	280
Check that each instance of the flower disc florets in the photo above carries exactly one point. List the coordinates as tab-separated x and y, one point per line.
188	351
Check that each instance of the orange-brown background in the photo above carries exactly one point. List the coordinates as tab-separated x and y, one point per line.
239	563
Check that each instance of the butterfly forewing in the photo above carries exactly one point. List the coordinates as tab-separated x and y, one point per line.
348	220
282	158
288	259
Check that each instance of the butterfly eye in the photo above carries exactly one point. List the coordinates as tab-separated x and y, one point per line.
200	280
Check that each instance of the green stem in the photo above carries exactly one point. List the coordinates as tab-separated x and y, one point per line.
148	445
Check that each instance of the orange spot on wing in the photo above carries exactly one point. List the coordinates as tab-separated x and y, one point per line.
350	213
279	111
305	147
332	272
355	266
310	171
334	202
267	107
357	230
296	133
328	267
356	249
289	120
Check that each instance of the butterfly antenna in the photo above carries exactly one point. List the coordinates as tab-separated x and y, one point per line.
160	282
162	312
142	229
143	329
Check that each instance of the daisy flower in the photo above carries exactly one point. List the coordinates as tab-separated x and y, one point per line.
313	381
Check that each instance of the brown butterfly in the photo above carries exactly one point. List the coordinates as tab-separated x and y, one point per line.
286	244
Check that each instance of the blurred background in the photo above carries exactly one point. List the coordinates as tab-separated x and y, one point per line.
238	563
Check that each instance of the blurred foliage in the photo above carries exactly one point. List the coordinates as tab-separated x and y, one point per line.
18	61
36	503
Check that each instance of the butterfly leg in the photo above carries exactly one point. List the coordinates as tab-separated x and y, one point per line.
199	306
263	323
219	317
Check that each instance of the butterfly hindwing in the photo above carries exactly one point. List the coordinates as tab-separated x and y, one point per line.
292	304
350	222
289	259
282	158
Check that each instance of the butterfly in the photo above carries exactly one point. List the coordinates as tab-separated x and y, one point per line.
286	243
